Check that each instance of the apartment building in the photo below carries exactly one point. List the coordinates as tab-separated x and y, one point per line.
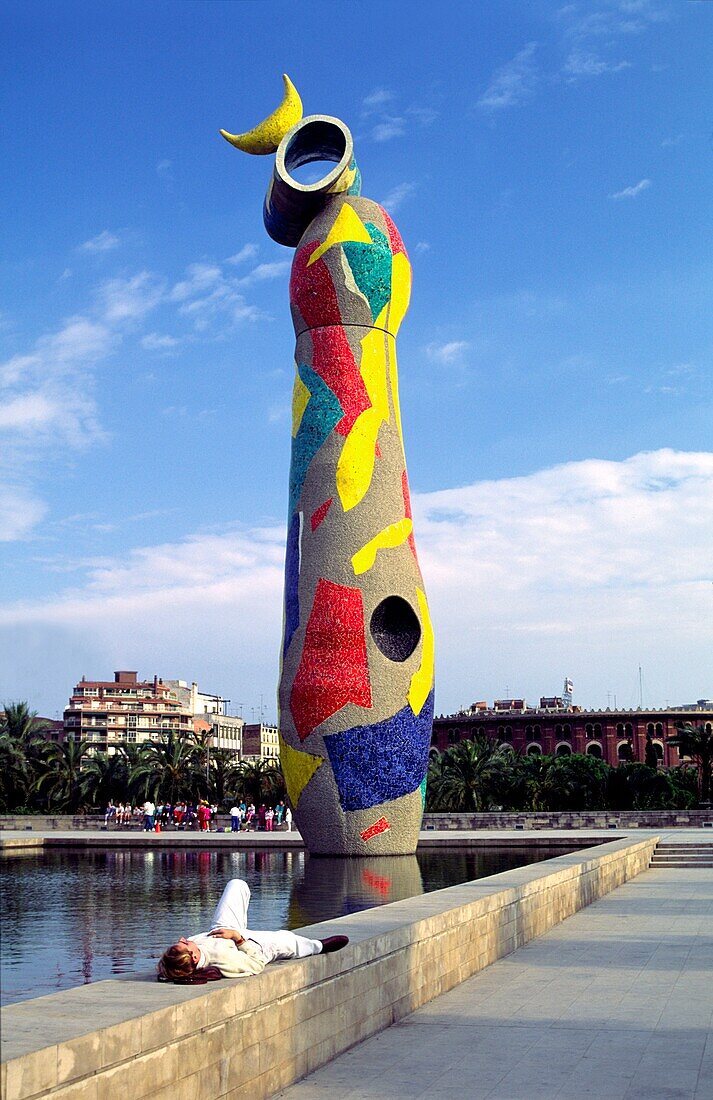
108	713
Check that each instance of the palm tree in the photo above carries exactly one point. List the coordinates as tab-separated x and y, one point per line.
22	724
105	777
468	776
15	774
223	774
169	769
259	779
697	742
61	777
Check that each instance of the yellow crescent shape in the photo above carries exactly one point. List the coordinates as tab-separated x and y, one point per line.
267	135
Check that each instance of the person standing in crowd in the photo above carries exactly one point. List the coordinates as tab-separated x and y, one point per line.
249	816
149	810
269	818
235	819
288	819
110	812
279	813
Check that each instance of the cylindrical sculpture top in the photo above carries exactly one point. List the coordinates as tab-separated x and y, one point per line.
356	688
290	205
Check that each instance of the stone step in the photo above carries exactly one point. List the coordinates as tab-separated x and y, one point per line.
680	863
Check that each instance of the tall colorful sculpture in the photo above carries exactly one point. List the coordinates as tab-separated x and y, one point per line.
356	684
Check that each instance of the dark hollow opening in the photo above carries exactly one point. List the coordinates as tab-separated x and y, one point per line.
316	141
395	628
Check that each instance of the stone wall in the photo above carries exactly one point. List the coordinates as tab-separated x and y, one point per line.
136	1039
589	819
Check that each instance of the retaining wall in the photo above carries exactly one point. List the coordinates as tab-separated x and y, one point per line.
249	1038
585	819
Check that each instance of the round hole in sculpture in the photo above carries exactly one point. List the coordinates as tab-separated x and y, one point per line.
320	141
395	628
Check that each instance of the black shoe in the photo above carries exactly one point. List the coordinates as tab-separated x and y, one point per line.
334	943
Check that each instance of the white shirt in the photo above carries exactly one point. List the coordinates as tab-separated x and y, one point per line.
148	808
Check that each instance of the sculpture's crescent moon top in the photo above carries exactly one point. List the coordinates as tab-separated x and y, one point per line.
267	135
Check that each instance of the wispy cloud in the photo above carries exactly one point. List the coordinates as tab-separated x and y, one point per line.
397	196
103	242
387	120
513	567
513	83
247	252
390	127
126	300
154	341
582	63
450	352
263	272
633	191
207	293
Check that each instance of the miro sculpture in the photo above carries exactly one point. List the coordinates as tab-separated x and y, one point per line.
357	672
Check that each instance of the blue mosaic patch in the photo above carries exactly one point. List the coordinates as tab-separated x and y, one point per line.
292	577
323	411
375	764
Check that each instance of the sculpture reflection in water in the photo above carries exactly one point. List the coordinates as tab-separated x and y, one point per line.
350	885
356	687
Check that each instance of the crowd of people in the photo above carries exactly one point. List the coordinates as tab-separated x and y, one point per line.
199	816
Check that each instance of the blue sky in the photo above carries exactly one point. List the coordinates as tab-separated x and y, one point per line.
549	167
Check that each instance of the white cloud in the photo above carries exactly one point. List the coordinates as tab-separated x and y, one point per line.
154	341
390	127
125	300
20	511
631	192
587	63
397	196
451	352
513	83
103	242
587	568
247	252
377	100
206	293
263	272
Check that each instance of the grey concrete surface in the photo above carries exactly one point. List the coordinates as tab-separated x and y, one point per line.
616	1002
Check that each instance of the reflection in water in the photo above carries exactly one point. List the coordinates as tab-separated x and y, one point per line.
349	885
72	917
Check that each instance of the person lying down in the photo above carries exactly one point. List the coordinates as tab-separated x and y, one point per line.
230	949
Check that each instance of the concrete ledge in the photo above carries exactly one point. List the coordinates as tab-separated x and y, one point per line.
249	1038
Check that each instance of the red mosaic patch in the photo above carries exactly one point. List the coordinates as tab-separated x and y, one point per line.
379	826
319	513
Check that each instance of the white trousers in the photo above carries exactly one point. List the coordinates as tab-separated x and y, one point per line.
232	912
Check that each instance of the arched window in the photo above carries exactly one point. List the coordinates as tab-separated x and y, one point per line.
658	747
628	729
537	731
650	729
563	749
528	731
593	749
589	729
597	729
708	727
566	730
558	730
534	750
659	729
620	729
623	751
453	737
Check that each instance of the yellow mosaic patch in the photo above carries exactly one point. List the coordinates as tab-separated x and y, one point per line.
347	226
422	679
393	535
297	768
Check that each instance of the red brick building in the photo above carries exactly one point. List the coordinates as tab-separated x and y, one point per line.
611	735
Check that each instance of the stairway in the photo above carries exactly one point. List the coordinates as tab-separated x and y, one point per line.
682	855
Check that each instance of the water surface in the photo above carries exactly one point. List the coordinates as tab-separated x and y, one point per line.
71	917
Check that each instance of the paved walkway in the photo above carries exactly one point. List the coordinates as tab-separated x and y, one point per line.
615	1002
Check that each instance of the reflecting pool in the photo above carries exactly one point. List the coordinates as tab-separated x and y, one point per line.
72	917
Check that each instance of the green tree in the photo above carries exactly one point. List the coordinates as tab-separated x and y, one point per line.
61	777
223	775
169	770
105	777
258	780
696	742
650	758
468	777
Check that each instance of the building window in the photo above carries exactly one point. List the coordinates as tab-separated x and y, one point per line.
623	751
593	749
534	750
563	749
